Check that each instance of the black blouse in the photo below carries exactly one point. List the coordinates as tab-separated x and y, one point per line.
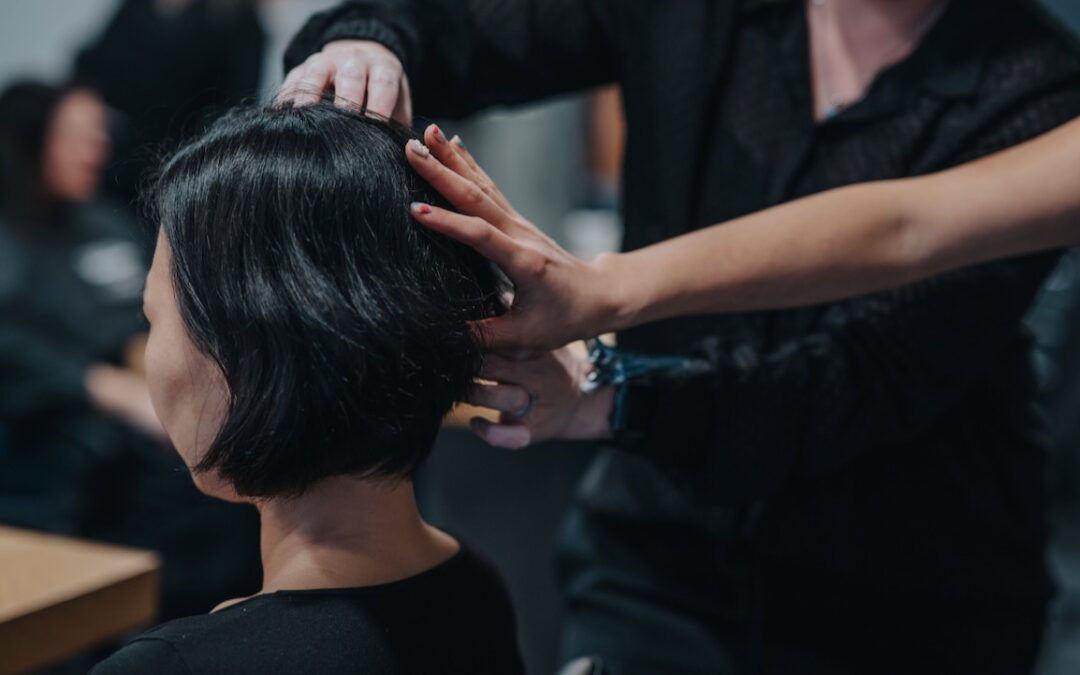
454	618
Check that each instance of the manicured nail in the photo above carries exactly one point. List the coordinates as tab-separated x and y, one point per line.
456	140
421	208
419	148
437	133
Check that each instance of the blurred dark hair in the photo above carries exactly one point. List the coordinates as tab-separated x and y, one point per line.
341	325
26	111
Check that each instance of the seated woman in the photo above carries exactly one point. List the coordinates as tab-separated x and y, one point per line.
307	338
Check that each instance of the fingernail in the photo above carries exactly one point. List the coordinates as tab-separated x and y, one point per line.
456	140
437	133
419	148
421	208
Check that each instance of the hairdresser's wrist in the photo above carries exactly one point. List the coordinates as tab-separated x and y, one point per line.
621	301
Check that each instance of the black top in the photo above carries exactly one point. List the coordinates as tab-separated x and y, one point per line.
454	618
853	455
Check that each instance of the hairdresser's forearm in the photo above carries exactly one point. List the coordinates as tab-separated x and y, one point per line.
832	245
859	239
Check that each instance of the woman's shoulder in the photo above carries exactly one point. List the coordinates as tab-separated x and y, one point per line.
187	644
386	626
145	654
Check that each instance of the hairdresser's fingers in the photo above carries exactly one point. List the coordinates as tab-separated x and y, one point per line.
465	195
507	398
502	333
511	436
480	176
448	154
469	160
459	161
318	73
288	87
475	233
403	111
500	369
384	86
350	83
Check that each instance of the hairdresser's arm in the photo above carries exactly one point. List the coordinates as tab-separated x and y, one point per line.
460	56
836	244
864	238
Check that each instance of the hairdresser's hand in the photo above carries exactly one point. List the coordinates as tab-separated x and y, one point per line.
557	298
361	73
540	399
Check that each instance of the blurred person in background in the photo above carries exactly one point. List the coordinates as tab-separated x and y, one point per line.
849	488
168	67
86	453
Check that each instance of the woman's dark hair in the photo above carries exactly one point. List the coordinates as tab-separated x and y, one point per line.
340	324
26	111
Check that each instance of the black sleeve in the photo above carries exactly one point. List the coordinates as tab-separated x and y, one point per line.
874	372
465	55
144	655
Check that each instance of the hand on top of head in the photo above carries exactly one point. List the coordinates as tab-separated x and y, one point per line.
362	74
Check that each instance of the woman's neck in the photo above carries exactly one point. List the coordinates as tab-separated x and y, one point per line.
348	532
852	41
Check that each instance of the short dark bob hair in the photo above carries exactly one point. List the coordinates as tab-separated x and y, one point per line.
341	326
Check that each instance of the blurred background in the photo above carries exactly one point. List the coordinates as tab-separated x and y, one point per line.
148	71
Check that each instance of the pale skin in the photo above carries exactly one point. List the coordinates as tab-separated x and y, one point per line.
344	532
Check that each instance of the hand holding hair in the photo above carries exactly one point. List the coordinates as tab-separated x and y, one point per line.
363	74
558	298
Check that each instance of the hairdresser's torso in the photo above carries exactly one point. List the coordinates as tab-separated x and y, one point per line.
719	133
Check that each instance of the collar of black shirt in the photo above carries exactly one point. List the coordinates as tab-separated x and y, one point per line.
948	63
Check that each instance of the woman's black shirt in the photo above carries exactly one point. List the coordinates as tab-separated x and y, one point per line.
454	618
